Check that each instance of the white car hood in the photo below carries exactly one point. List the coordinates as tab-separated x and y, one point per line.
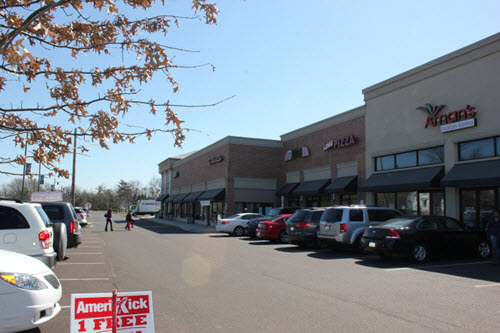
11	262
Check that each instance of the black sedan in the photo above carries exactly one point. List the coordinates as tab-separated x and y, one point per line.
302	227
422	236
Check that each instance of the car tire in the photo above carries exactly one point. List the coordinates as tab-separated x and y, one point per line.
282	237
419	253
238	231
483	249
60	240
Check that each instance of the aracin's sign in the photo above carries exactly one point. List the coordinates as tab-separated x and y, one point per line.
435	119
345	141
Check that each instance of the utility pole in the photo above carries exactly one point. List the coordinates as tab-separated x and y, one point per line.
39	174
24	170
73	178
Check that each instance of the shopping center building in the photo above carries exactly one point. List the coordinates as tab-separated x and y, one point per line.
426	141
433	136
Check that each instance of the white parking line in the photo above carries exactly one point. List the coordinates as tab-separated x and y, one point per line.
81	263
487	285
88	247
85	279
83	253
435	266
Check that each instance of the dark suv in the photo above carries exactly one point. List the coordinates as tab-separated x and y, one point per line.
65	213
253	223
303	226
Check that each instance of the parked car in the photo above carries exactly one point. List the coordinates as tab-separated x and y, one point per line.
344	225
274	229
252	224
303	226
64	212
26	229
82	215
420	237
235	225
29	292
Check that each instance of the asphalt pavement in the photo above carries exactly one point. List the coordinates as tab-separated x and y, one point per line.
207	282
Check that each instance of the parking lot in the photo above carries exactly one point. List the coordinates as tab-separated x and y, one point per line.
217	283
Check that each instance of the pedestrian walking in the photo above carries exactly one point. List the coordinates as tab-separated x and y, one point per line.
130	221
493	229
108	217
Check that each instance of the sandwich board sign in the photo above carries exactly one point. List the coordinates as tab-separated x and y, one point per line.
127	312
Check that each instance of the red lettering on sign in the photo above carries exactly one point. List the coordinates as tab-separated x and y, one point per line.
101	306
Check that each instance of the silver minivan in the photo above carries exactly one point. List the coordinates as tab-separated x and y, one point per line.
344	225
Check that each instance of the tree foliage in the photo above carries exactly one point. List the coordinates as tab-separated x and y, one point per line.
126	51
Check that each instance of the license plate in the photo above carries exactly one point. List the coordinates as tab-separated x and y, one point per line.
291	228
371	244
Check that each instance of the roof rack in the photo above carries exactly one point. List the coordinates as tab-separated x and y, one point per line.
12	199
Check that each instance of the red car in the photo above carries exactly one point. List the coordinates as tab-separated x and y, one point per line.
274	229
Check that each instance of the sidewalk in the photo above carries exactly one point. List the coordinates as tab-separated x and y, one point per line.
194	228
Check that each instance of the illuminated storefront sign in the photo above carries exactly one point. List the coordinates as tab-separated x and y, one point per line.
340	143
451	121
294	153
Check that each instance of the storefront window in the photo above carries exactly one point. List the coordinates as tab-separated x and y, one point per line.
406	160
348	199
437	203
385	162
477	149
407	202
431	156
386	200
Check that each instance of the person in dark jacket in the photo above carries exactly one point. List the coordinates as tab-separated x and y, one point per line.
108	216
129	220
493	229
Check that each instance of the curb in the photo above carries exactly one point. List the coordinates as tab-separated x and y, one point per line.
194	228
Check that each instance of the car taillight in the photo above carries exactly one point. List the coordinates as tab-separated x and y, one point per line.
343	227
81	216
224	222
44	238
392	234
364	232
303	224
72	227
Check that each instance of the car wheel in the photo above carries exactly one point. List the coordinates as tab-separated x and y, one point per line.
239	231
419	253
60	242
282	237
483	249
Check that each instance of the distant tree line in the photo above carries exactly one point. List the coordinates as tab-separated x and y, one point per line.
120	197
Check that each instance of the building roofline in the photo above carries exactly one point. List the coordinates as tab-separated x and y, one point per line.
322	124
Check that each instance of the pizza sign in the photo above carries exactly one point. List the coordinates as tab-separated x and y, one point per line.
94	313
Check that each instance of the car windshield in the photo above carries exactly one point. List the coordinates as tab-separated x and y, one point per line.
273	212
298	216
43	216
332	215
398	222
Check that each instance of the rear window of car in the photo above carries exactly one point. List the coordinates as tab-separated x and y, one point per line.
398	222
11	218
316	215
332	215
43	216
55	213
299	216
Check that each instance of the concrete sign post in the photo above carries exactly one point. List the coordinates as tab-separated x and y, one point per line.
128	312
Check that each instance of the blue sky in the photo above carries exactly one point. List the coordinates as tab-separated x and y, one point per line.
288	64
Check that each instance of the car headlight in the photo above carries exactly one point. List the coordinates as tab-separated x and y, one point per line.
24	281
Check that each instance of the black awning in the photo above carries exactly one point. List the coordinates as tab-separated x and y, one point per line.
171	198
473	174
193	196
181	197
408	180
213	195
311	187
347	184
162	197
287	188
